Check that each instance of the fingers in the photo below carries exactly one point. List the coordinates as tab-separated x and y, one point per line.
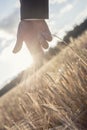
43	43
42	27
46	32
28	31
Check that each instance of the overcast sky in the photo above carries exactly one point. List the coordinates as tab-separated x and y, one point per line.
64	14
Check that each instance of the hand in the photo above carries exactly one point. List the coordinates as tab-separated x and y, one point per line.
35	33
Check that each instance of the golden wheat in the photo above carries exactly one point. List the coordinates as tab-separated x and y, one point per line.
55	97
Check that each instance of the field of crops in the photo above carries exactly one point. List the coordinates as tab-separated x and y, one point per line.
54	97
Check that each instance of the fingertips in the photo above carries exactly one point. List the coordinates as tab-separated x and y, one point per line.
45	44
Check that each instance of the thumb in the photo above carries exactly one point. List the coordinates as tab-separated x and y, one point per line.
18	46
19	41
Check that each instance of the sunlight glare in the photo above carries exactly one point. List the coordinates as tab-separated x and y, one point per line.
23	57
14	62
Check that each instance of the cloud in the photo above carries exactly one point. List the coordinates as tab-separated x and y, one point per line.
8	27
5	40
8	24
81	16
4	43
17	4
66	9
57	1
11	64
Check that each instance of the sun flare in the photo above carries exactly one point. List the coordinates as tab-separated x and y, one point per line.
12	64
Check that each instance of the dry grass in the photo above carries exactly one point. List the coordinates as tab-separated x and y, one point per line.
54	98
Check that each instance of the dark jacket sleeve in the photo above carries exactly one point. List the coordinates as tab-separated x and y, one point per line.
34	9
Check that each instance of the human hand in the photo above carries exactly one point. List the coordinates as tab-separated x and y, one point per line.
35	33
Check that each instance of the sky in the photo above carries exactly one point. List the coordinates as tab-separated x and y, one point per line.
63	16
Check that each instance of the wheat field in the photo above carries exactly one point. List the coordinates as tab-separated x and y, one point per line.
54	97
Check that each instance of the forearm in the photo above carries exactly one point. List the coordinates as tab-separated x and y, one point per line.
34	9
